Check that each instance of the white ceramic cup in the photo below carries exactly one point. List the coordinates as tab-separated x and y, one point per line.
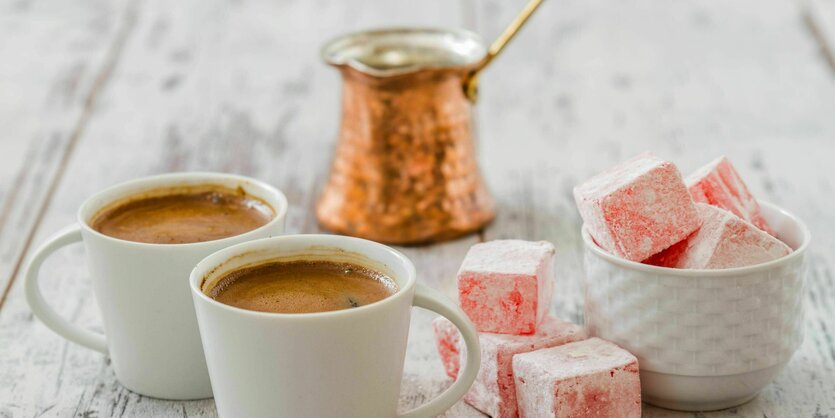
142	290
345	363
705	339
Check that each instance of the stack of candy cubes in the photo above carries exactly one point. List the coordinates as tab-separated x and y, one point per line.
532	363
642	210
536	365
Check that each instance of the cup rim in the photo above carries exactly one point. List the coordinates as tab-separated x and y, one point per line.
276	200
216	259
734	271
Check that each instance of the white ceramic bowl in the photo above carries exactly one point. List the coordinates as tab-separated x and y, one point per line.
705	339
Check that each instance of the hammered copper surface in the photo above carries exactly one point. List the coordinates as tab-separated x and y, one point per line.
404	171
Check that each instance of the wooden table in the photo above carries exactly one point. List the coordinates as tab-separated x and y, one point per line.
93	92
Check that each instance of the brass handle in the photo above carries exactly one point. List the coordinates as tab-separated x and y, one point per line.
471	82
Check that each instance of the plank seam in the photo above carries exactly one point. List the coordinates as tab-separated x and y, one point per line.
15	190
816	25
113	56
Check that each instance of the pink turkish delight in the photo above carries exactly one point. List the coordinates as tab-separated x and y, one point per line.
493	391
505	286
448	341
591	378
719	184
723	241
638	208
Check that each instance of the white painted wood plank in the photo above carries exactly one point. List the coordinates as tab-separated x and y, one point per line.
52	60
820	15
237	87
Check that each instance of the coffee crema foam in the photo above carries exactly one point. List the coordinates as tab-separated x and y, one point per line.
183	215
302	287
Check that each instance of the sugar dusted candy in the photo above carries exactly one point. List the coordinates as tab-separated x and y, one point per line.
505	286
448	342
591	378
493	391
723	241
637	208
719	184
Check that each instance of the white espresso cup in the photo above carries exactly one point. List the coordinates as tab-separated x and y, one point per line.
345	363
142	289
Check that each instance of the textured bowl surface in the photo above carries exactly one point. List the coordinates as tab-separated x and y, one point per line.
741	325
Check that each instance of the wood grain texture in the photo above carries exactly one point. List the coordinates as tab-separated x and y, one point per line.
238	87
820	16
54	63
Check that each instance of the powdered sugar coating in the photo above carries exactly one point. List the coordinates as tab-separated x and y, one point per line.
505	286
507	256
637	208
493	391
723	241
591	378
719	184
448	343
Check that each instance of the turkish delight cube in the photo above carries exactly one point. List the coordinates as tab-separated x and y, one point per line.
723	241
637	208
591	378
719	184
493	391
448	342
505	286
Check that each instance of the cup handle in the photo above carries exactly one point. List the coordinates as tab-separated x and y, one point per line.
433	300
37	303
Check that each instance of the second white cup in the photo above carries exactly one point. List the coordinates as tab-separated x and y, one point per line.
345	363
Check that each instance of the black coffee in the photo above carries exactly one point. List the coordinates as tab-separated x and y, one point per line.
184	216
302	287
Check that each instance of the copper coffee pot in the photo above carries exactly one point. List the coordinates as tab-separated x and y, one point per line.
405	170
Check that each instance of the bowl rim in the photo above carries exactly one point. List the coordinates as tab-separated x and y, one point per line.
735	271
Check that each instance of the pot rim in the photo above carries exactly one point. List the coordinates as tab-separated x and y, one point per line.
465	49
